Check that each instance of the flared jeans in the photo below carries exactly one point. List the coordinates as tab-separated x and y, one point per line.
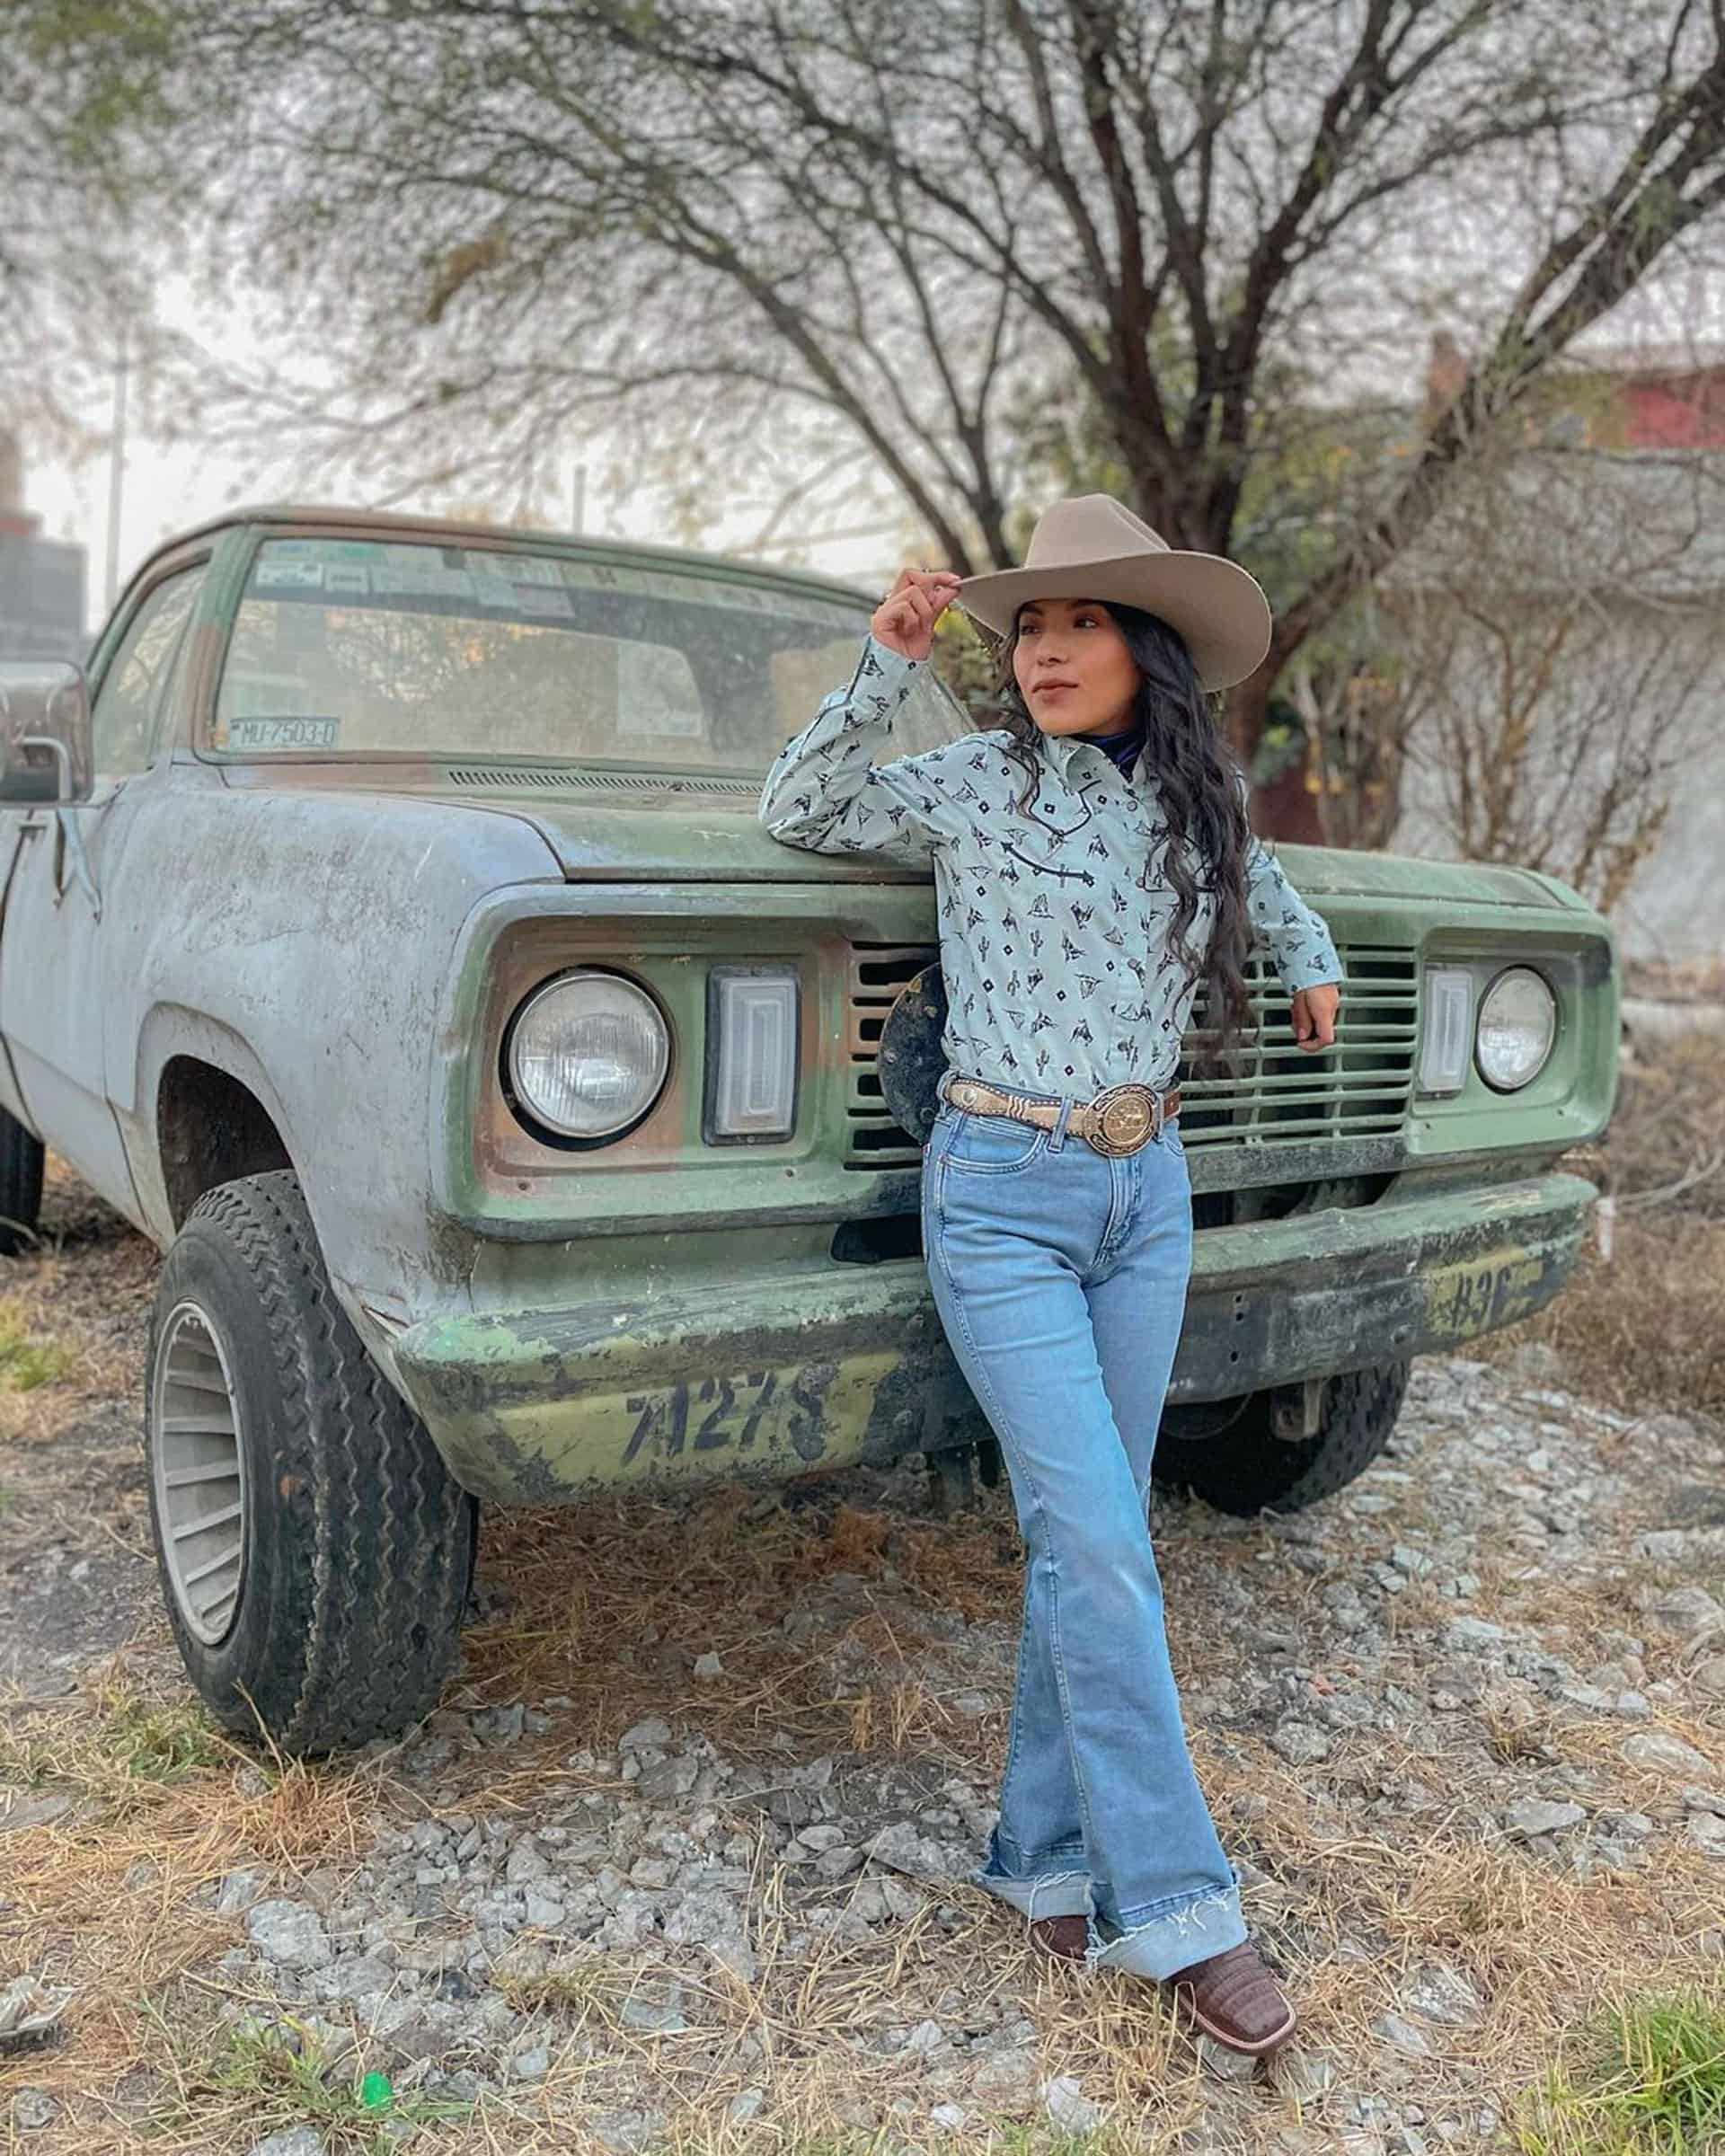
1060	1276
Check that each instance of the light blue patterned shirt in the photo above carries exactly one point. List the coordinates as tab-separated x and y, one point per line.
1053	924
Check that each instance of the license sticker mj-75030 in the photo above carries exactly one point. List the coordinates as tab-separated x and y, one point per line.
283	733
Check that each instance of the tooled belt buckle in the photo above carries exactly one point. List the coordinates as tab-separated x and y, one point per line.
1123	1119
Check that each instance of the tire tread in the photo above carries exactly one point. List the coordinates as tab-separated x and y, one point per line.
385	1568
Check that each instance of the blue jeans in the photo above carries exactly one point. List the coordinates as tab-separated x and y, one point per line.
1060	1276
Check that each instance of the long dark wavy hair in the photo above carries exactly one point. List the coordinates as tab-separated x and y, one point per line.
1185	750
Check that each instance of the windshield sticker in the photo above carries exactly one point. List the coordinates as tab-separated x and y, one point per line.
423	581
493	591
531	568
321	550
532	598
499	579
283	733
287	576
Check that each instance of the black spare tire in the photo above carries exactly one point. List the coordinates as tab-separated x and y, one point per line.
1247	1468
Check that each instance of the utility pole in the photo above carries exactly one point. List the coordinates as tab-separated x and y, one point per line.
117	470
577	501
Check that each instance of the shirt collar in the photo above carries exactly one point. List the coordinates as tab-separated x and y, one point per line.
1060	749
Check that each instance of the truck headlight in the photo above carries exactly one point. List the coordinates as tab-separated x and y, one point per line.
587	1054
1518	1024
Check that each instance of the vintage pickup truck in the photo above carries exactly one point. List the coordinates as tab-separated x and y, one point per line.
390	934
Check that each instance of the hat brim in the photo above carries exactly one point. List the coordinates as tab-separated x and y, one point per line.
1218	608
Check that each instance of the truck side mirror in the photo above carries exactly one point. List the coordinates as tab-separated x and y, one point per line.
45	748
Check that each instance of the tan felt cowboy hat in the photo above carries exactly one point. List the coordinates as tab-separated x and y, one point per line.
1092	547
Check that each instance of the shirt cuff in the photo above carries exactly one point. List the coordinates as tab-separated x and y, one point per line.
1316	972
896	669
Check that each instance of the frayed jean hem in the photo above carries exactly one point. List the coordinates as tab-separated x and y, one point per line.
1055	1893
1172	1939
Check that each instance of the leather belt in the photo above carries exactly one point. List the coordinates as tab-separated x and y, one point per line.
1121	1120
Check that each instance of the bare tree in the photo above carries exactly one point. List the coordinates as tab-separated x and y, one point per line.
872	234
1553	655
88	120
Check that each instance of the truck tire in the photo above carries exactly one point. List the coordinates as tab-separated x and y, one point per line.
20	1185
1247	1468
315	1553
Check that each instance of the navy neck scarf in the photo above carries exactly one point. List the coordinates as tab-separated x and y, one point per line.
1122	749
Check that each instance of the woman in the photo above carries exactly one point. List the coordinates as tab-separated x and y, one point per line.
1093	862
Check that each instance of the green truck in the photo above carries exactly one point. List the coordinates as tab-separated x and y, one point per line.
390	934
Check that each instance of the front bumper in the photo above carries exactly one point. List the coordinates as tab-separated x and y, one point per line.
809	1365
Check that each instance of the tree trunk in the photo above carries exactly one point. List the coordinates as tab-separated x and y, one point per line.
1288	806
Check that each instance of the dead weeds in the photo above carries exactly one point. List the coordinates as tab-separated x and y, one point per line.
600	1614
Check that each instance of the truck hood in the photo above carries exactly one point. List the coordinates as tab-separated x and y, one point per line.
656	834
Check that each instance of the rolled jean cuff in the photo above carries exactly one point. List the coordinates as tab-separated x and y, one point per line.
1166	1940
1054	1893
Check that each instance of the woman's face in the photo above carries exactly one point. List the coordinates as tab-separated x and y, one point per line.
1073	667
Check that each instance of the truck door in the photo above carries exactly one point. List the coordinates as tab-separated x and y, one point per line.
51	960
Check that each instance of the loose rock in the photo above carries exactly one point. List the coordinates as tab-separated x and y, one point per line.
289	1934
1535	1817
1069	2108
1662	1754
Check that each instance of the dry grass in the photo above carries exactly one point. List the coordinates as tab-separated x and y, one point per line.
605	1610
75	1305
608	1607
1681	980
1642	1329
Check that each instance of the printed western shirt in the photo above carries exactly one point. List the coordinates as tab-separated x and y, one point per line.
1053	923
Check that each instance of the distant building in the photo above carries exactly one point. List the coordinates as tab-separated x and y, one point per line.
1619	492
1615	397
41	580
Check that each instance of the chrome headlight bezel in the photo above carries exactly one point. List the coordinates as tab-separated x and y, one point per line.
532	1110
1510	972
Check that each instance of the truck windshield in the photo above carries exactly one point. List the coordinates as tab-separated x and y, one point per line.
467	653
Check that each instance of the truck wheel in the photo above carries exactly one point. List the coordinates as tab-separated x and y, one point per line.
20	1185
315	1552
1247	1468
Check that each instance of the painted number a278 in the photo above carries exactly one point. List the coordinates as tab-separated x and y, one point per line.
722	1410
730	1411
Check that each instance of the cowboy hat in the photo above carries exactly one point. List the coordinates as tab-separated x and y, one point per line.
1091	546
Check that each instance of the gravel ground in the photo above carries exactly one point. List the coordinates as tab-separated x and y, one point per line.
672	1866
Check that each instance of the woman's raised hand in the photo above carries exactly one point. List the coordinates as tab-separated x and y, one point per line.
904	621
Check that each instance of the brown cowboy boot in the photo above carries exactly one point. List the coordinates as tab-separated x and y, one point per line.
1231	1997
1060	1938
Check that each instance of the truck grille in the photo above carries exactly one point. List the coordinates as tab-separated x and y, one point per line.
1360	1088
878	971
1357	1089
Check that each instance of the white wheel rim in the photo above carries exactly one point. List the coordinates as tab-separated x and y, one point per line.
199	1471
